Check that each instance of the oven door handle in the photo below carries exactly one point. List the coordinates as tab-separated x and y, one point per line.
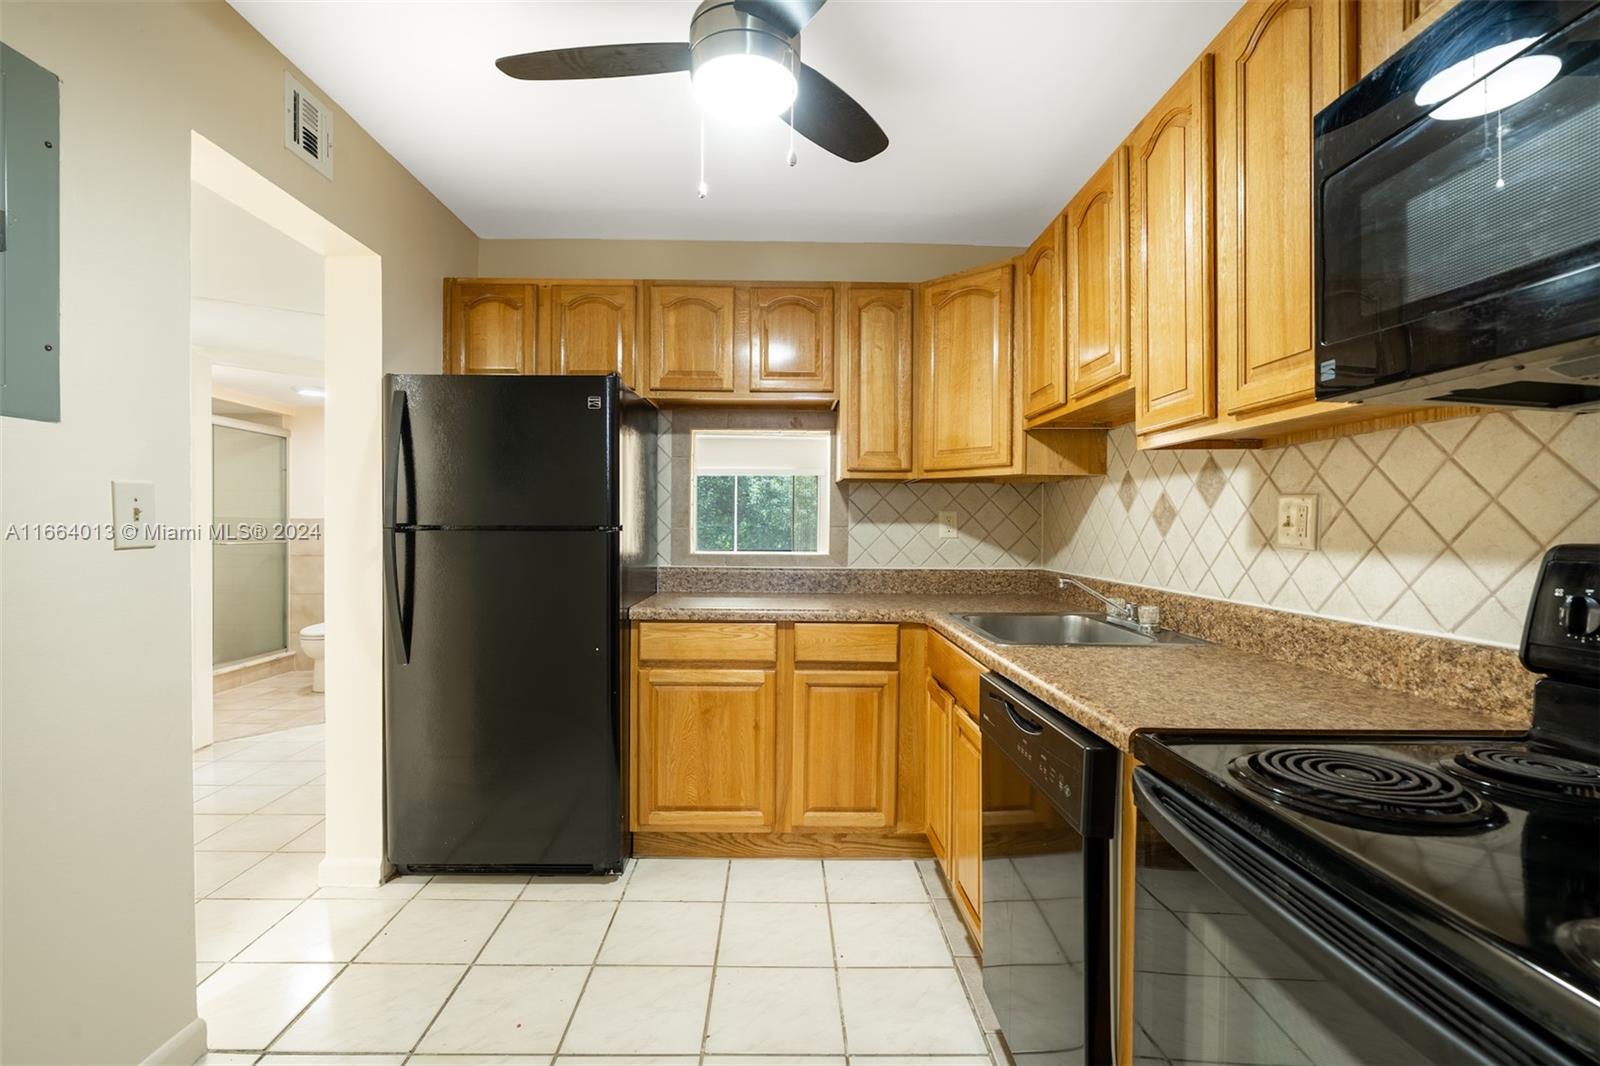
1445	1018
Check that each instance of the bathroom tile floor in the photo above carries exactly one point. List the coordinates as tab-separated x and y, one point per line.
678	962
282	701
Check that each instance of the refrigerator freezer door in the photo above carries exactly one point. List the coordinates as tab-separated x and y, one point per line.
503	743
506	452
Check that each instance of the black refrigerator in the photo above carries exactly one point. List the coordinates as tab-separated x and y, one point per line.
519	527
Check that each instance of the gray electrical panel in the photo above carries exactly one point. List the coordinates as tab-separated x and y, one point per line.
30	239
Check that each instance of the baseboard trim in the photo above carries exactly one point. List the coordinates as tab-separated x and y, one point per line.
185	1047
339	872
864	845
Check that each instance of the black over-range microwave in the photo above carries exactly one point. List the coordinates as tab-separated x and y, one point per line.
1458	215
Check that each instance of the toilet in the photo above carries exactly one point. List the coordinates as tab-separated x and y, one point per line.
311	643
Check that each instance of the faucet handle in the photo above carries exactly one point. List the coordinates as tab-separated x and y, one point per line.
1148	616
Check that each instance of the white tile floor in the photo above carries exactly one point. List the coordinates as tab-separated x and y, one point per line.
679	962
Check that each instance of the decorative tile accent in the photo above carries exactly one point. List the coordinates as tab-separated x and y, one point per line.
1435	528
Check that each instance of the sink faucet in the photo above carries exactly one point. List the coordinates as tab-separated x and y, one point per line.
1145	619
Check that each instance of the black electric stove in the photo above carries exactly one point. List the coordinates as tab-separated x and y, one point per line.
1448	887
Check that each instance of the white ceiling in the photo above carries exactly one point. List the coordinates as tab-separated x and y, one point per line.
996	111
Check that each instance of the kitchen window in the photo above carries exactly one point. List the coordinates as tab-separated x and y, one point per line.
759	492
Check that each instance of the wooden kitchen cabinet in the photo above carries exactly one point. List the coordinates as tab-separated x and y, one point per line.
592	329
966	818
965	375
791	338
1278	63
490	327
842	748
1041	299
706	753
875	387
1386	26
1097	284
691	338
1173	275
936	789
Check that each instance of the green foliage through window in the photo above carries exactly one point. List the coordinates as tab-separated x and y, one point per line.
756	513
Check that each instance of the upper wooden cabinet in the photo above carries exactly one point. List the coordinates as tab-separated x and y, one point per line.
592	329
1172	284
691	338
1041	295
965	381
1278	64
791	339
1097	281
490	327
875	387
1387	25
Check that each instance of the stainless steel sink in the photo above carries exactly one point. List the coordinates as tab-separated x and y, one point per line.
1067	628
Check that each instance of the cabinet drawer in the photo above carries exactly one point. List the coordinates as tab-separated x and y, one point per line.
954	669
848	642
723	642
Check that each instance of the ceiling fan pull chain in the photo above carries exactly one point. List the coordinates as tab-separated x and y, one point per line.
792	158
702	188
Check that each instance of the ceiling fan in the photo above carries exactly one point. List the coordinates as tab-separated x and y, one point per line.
744	58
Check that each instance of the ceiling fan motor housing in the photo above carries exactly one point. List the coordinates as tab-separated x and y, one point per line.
718	29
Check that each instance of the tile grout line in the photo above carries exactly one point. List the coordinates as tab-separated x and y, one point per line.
716	956
622	892
465	970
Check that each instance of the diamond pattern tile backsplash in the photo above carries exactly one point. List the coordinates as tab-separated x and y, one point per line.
897	525
1436	528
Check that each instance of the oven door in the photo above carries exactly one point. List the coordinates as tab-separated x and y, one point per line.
1239	957
1458	214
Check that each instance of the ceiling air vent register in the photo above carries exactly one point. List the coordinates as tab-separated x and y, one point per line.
307	127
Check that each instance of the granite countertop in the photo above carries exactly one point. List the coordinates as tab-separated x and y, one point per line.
1119	691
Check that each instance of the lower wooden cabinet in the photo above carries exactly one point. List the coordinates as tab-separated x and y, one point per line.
936	788
966	818
705	757
842	749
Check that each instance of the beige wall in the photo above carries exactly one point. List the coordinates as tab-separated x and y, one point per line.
97	920
733	260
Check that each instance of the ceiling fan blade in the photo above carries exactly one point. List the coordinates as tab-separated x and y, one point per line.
825	115
597	61
790	16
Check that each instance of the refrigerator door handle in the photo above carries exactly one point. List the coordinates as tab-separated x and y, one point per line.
401	612
398	461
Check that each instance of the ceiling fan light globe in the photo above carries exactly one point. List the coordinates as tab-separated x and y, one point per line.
743	88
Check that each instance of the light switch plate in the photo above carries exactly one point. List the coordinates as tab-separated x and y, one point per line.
949	525
1297	522
133	512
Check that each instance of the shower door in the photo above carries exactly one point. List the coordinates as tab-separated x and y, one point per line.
249	555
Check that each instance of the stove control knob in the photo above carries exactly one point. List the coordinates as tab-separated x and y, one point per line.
1581	616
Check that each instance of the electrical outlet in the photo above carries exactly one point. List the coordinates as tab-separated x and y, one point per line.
949	528
1297	522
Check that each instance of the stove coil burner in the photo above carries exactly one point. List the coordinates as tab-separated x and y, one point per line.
1365	791
1532	773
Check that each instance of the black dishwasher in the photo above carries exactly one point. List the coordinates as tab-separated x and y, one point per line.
1049	811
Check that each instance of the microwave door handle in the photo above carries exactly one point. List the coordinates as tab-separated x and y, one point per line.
1337	938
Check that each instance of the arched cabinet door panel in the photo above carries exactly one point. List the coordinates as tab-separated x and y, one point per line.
791	339
593	329
691	338
491	327
965	390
